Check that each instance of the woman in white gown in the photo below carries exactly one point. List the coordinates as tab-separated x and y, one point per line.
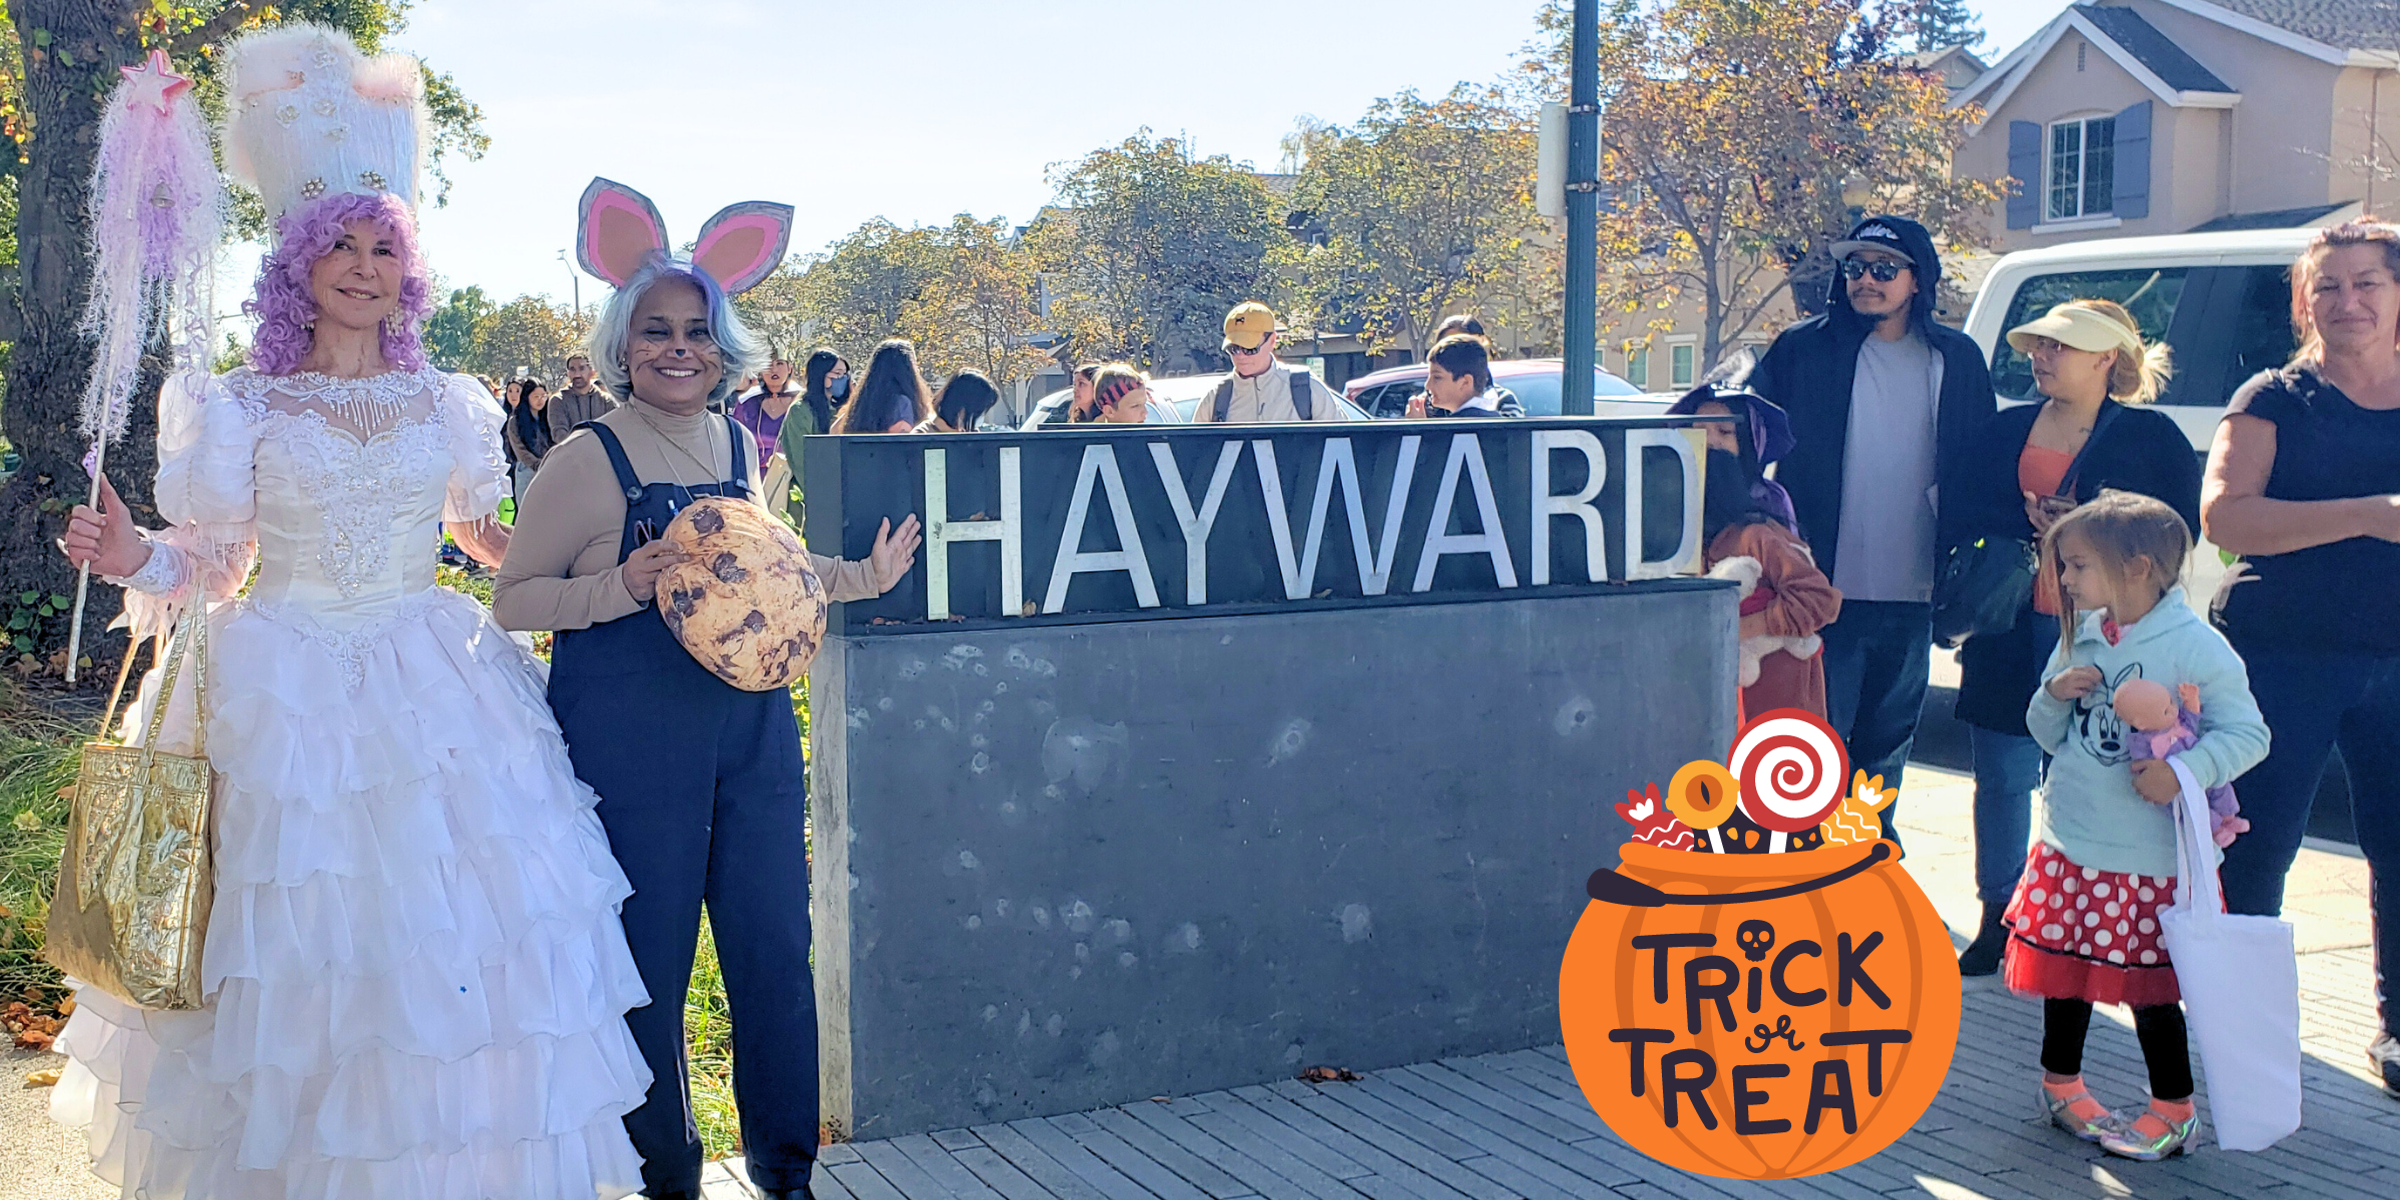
417	973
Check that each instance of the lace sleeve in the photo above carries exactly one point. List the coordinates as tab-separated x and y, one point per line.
478	466
205	489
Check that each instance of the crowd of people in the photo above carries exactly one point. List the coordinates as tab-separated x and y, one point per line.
2053	539
459	896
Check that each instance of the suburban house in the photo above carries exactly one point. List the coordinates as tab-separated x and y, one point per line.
2128	117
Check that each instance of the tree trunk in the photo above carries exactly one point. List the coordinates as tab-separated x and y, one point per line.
65	82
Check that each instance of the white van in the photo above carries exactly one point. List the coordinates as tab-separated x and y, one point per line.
2220	301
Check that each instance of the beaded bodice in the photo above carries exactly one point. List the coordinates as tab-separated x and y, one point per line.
350	476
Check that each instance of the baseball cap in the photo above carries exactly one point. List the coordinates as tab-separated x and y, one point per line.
1249	324
1873	232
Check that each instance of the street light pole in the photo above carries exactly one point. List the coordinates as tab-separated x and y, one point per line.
1583	170
575	281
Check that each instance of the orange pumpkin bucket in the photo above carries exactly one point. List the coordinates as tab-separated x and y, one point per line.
1760	1016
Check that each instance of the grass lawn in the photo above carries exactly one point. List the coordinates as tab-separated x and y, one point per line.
39	749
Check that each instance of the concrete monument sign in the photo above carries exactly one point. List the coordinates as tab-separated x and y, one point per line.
1194	756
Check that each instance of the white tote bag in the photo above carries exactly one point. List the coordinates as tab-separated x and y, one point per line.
2241	990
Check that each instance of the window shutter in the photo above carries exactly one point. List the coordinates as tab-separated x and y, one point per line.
2133	162
2025	162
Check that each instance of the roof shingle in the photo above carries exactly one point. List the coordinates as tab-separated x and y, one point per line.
2343	24
2155	50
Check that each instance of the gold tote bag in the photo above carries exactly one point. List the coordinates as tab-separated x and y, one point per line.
137	880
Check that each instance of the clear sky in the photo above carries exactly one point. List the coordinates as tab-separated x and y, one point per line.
908	109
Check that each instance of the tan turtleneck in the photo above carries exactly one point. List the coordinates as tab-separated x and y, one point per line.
562	572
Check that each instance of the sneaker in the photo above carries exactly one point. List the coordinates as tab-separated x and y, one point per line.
2062	1115
2130	1142
2384	1055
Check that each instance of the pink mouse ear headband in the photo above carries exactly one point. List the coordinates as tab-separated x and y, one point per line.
618	232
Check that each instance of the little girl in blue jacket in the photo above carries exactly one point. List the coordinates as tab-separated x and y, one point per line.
2083	926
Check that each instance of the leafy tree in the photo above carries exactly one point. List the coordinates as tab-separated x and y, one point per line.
963	292
452	332
772	310
58	61
1733	130
1941	24
1150	247
1309	137
526	335
977	309
858	290
1424	205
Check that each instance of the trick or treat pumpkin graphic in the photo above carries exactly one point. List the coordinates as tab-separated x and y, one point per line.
1754	1011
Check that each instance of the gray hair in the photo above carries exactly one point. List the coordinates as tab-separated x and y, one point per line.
741	351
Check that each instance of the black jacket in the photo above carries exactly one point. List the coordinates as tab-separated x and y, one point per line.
2142	450
1809	372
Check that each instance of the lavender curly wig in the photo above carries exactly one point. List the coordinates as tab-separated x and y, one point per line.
284	306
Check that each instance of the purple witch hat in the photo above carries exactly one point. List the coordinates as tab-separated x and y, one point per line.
1765	432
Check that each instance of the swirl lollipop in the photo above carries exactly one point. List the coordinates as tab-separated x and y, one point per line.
1791	768
1703	795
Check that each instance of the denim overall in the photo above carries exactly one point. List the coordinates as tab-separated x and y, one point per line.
702	791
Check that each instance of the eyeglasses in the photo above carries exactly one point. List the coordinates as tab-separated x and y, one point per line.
1260	348
1883	269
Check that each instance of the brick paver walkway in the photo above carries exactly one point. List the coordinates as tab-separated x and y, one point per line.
1510	1126
1513	1126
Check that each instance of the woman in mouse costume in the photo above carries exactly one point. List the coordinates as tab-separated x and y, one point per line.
413	981
701	783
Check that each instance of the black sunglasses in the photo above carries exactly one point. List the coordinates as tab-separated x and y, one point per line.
1883	269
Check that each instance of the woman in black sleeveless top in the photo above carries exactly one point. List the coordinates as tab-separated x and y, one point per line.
2304	484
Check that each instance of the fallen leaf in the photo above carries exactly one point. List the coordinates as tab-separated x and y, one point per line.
29	1040
1329	1075
1031	608
6	914
66	1007
41	1079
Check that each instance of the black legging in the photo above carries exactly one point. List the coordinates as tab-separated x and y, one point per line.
2159	1026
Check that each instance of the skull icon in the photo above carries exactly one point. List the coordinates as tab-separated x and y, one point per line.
1755	938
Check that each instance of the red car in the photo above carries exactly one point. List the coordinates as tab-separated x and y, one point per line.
1535	381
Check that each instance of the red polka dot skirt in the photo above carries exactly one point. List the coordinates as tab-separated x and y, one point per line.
2076	933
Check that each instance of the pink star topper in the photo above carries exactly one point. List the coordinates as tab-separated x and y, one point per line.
154	83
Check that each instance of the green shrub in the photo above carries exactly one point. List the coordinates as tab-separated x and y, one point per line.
38	754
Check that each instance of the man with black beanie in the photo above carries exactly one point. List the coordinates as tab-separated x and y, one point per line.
1885	405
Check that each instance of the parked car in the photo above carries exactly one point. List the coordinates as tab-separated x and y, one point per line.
1173	400
2220	301
1536	382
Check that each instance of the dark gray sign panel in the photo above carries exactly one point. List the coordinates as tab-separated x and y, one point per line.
1096	522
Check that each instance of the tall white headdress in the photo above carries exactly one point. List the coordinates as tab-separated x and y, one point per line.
307	115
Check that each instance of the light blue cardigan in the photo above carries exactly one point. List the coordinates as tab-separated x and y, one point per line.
2090	811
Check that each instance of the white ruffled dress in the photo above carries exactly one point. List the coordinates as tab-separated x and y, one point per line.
418	976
